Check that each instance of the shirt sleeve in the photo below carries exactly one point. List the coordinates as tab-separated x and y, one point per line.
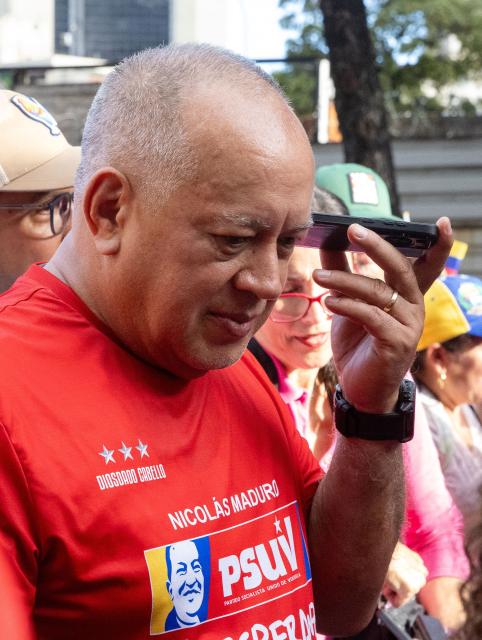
434	526
18	551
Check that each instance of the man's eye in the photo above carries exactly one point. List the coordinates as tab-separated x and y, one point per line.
234	242
287	244
288	241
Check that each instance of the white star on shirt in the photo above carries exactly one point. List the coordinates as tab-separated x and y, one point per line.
126	451
107	454
142	448
277	524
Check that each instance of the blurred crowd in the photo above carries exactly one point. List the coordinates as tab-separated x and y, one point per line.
436	562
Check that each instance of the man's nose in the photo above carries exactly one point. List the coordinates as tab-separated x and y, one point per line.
263	274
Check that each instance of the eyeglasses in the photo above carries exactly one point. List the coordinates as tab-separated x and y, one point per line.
59	209
290	307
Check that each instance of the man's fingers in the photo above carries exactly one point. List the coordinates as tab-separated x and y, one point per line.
429	266
334	260
397	268
369	290
381	325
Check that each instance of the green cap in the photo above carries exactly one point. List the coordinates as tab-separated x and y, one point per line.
361	189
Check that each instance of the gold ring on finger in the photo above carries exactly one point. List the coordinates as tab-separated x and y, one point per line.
389	306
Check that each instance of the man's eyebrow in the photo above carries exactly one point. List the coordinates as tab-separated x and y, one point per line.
256	223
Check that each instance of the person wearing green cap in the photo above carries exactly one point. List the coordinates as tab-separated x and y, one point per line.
363	191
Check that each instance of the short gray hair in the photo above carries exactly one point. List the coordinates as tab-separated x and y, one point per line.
135	122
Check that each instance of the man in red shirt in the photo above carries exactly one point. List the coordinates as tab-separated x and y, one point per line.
132	421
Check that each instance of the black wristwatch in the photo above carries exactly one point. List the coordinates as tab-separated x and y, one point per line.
397	425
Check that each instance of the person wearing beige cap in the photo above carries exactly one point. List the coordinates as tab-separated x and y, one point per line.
37	169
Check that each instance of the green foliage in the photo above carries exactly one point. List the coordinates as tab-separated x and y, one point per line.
305	17
300	86
433	44
413	46
6	80
300	80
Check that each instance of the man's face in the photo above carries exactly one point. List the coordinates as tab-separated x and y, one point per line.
186	582
25	235
202	272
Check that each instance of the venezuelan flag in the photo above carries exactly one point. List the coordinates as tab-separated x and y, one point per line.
457	254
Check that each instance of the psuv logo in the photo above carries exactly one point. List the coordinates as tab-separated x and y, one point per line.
230	571
262	563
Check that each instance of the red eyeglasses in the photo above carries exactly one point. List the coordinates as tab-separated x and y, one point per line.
290	307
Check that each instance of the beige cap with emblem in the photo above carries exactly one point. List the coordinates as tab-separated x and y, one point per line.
34	155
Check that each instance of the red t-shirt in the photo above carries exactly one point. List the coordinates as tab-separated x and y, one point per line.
132	502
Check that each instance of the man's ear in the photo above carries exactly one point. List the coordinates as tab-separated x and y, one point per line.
105	205
169	588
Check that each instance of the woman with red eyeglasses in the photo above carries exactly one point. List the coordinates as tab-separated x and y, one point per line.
297	339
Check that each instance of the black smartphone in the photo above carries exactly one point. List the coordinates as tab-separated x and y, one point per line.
329	232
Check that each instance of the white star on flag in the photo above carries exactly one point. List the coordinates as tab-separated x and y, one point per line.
277	525
142	448
126	451
107	454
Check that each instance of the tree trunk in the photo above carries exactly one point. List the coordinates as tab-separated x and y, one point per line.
359	98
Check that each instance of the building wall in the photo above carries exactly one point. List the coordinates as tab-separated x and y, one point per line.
214	21
111	29
26	30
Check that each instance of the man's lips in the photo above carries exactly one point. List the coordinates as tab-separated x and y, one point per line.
313	341
239	325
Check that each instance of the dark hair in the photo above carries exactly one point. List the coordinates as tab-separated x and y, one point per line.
460	343
326	202
328	378
471	591
455	345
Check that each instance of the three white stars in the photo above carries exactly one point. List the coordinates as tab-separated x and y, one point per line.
108	454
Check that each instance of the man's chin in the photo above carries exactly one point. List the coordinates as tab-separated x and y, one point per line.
216	356
216	360
197	359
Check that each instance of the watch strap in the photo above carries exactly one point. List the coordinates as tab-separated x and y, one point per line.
397	425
